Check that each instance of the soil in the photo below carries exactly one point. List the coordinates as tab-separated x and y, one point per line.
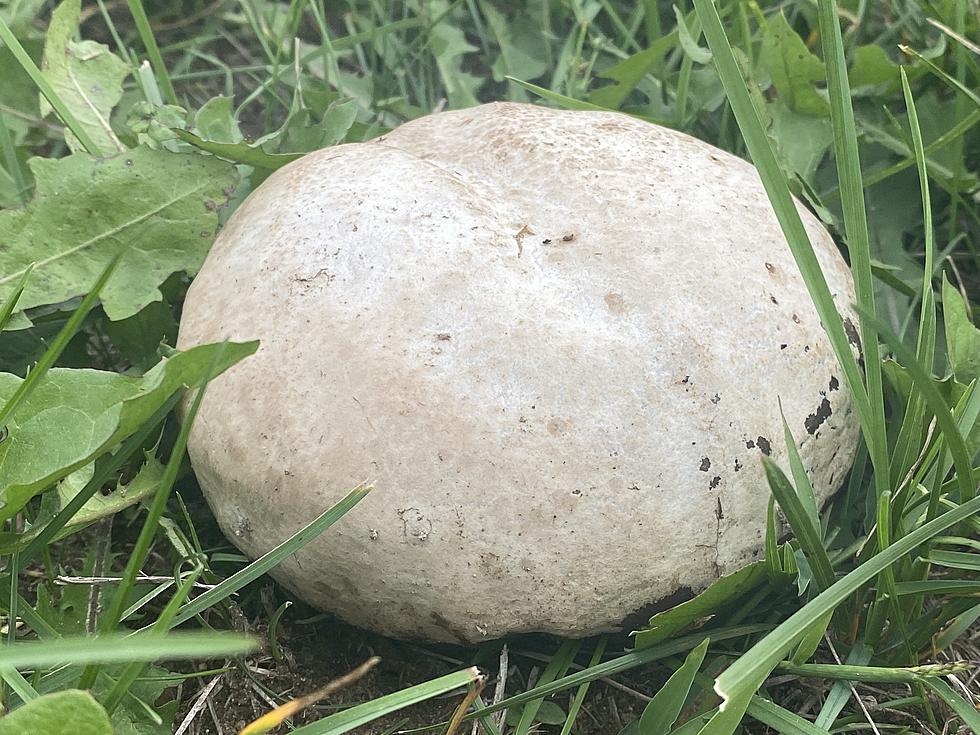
316	649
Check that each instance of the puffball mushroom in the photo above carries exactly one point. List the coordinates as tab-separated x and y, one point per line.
553	341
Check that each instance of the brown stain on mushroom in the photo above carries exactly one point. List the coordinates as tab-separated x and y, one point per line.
557	426
615	302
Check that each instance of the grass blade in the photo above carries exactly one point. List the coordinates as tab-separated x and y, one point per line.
803	487
18	684
28	65
113	614
739	682
556	668
663	710
363	713
801	523
966	711
152	50
757	142
840	693
911	430
579	697
855	226
955	560
7	310
160	625
934	399
781	719
631	660
114	649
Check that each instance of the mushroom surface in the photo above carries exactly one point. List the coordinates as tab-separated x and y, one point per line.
553	341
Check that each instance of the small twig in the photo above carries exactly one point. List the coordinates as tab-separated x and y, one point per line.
498	692
65	579
953	34
214	717
474	691
273	718
623	688
104	533
263	696
212	688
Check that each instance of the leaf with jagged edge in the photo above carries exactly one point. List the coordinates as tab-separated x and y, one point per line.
87	77
793	68
161	207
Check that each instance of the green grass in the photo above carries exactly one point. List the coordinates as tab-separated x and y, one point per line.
867	112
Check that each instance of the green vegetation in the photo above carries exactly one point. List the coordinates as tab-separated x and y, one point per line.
128	134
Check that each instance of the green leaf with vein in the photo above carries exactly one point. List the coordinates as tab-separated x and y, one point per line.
85	210
72	712
74	416
99	506
793	68
86	76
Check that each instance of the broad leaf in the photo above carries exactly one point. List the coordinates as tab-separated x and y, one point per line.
72	712
962	338
793	68
161	206
99	506
872	70
86	76
802	141
630	72
449	46
74	416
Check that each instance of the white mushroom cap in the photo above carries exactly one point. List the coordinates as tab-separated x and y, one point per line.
553	341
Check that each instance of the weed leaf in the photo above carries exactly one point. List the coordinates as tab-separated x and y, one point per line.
86	210
74	416
793	68
71	712
86	76
721	593
962	338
